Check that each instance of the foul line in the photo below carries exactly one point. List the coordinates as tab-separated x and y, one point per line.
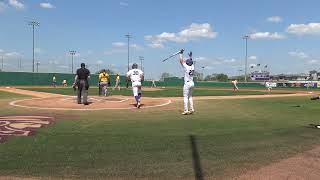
14	103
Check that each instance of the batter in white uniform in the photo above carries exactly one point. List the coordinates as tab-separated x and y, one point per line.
188	83
136	76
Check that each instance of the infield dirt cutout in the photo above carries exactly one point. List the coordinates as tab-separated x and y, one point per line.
304	166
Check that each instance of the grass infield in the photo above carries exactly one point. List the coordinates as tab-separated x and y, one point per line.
233	136
172	92
8	95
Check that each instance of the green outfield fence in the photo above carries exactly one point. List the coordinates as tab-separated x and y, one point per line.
41	79
45	79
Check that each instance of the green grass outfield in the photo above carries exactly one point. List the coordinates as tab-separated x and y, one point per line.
171	92
233	136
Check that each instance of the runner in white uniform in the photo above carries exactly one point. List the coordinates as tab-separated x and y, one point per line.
268	86
136	76
235	87
188	83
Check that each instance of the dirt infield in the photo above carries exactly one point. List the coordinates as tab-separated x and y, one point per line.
302	166
95	103
61	102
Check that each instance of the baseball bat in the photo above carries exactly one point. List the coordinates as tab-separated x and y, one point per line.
181	51
127	83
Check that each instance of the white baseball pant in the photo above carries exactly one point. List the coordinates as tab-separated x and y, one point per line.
187	96
136	88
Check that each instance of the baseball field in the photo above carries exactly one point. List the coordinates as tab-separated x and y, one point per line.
248	134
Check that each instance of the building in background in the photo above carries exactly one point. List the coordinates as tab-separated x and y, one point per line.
261	75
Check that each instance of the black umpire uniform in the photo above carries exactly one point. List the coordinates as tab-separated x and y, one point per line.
82	81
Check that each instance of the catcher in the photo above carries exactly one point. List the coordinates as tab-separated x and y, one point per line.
104	82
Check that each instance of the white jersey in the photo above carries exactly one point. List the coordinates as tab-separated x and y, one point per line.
188	72
268	85
135	75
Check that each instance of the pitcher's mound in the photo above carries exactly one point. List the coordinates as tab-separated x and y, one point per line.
95	103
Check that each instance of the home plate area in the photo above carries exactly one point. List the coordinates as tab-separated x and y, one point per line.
95	103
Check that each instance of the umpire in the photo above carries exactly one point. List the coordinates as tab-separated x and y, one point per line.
82	81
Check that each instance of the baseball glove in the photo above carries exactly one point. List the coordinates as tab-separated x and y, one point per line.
74	86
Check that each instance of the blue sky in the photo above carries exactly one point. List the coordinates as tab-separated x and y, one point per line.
283	34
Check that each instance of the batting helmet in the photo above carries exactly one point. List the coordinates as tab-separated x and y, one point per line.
134	66
189	62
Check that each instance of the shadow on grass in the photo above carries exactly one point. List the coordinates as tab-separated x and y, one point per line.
196	159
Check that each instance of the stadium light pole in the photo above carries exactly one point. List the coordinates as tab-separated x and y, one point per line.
141	61
246	37
128	36
33	24
38	63
2	62
203	72
72	52
240	70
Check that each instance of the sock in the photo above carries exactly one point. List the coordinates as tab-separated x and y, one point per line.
191	103
137	98
185	101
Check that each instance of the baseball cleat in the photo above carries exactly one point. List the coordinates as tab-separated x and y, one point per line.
192	111
185	113
138	105
315	125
